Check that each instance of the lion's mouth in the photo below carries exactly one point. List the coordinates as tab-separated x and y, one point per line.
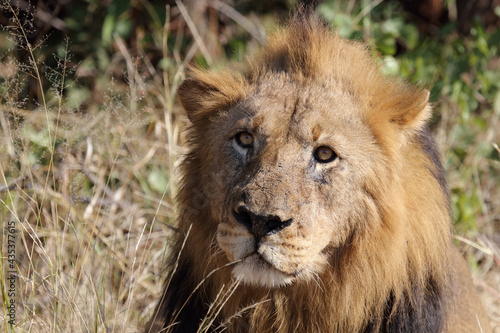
256	270
255	256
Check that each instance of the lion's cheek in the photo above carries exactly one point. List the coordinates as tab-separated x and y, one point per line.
319	225
234	241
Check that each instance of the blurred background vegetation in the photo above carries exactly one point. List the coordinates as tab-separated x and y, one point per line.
91	132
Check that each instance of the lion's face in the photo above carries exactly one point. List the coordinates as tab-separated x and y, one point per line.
288	163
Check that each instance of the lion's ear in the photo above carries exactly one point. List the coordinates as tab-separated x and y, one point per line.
194	95
203	93
398	114
412	111
404	109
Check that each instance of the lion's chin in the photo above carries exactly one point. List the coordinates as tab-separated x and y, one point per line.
255	271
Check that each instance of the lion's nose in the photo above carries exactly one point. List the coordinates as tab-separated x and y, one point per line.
260	225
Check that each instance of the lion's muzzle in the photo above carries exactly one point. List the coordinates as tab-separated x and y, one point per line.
260	225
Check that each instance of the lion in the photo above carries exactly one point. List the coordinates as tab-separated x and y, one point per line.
312	199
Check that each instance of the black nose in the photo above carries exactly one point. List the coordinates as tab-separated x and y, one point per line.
260	225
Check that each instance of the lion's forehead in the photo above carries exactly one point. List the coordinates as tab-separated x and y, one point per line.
287	108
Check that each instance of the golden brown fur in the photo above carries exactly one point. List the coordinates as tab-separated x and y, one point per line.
273	239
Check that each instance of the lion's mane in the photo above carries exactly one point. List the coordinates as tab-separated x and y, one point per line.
391	274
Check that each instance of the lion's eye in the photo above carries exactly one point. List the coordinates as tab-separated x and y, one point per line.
324	154
244	139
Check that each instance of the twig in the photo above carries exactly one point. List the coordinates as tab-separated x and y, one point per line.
194	31
366	11
496	147
131	72
42	15
13	184
487	287
483	249
254	30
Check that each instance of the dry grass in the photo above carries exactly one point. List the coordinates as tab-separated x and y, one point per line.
91	193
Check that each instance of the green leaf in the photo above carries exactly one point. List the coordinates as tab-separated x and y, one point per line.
158	180
390	66
393	27
111	21
108	27
410	35
124	28
386	44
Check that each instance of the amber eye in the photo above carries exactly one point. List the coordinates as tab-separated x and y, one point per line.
324	154
244	139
